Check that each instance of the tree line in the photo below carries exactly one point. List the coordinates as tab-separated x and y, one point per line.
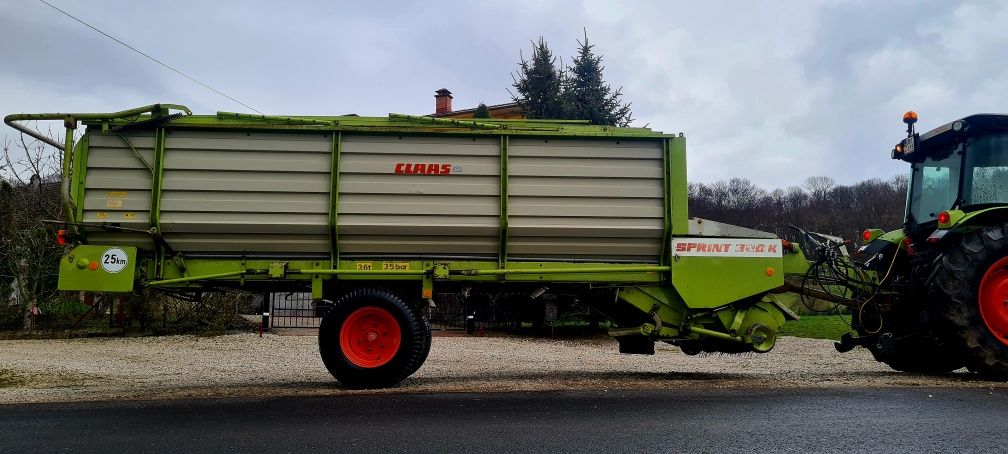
819	205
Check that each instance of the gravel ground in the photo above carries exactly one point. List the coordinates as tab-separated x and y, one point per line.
249	365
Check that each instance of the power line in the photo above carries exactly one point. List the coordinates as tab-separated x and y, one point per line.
149	57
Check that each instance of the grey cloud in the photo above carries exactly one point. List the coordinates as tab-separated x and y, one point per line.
59	54
853	29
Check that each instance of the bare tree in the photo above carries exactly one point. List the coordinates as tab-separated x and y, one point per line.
29	254
819	187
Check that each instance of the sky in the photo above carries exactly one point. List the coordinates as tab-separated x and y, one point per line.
771	91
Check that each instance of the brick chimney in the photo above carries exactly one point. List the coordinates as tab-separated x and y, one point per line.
442	101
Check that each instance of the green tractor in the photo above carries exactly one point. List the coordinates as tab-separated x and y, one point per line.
938	298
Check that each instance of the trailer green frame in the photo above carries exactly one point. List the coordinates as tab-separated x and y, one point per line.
161	271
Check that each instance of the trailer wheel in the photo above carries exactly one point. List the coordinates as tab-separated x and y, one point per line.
371	338
425	349
972	286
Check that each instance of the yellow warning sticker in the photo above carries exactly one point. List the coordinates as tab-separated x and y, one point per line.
113	204
115	194
129	215
395	266
102	215
364	266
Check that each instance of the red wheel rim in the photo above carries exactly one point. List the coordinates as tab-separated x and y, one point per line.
370	337
993	299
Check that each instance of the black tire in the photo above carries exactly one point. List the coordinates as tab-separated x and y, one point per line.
406	359
955	286
425	349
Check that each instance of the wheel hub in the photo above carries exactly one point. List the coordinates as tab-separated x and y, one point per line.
370	337
993	299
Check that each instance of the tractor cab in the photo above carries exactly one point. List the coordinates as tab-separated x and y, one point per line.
961	166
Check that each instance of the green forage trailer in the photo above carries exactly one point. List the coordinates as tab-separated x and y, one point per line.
374	216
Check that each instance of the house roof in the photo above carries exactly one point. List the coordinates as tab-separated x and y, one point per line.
492	108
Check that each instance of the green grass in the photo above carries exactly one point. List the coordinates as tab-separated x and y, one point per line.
818	327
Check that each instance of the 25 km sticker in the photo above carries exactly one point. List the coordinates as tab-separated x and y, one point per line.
114	260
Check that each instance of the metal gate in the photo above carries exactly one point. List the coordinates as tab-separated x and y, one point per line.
449	313
293	310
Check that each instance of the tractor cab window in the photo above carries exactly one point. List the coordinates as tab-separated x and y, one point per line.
987	179
934	185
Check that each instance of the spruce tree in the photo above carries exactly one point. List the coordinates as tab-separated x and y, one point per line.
538	84
586	95
482	111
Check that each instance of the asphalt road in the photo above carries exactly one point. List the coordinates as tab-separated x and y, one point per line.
841	420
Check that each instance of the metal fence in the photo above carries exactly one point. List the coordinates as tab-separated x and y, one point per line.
293	310
483	312
449	313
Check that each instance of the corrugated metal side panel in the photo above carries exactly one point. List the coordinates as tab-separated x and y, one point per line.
585	199
246	192
117	189
385	213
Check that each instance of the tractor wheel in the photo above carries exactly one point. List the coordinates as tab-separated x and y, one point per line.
371	338
971	285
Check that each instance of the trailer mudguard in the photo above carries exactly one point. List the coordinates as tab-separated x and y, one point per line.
99	269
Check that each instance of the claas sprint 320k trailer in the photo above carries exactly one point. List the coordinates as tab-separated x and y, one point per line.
374	216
